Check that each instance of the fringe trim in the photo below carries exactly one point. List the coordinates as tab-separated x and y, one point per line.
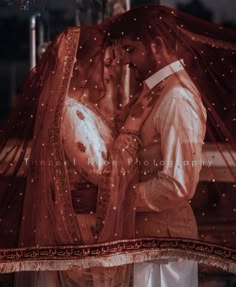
115	254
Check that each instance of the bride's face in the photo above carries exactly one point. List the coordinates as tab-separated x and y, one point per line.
88	73
112	65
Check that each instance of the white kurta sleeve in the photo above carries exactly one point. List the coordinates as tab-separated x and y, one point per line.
181	123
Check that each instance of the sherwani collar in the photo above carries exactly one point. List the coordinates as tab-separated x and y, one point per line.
163	73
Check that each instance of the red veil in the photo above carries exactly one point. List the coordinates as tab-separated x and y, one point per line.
38	225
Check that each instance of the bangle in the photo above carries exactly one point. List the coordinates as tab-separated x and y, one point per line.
131	145
133	133
125	131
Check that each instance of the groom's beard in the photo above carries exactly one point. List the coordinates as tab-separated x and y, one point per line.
138	75
141	74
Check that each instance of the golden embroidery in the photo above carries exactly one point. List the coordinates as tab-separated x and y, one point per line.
103	197
62	187
80	115
53	258
81	147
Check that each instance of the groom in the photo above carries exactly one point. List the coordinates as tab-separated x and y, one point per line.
172	134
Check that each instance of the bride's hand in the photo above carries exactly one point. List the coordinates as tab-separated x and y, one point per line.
125	153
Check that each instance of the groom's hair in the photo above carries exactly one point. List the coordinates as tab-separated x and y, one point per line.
144	23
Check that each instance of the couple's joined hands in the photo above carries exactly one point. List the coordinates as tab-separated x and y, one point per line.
125	154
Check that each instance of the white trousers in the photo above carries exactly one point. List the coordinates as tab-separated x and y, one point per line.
182	273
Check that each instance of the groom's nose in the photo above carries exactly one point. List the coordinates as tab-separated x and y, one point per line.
131	65
126	59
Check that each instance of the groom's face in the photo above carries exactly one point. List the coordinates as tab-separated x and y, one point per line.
139	57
